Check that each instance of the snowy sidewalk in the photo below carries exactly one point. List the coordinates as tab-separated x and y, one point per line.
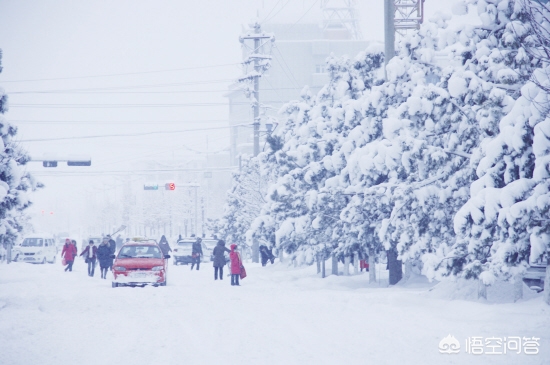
278	316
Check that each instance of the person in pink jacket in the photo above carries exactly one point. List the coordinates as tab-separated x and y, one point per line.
236	265
68	253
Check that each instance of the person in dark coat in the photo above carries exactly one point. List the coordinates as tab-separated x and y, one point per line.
68	253
90	254
236	264
112	247
196	254
219	258
104	257
164	246
266	254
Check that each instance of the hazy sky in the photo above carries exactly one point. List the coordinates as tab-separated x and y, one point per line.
68	41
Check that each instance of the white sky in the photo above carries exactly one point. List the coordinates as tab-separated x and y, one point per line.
68	39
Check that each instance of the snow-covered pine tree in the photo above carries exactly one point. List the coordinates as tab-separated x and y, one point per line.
14	181
243	203
493	228
304	222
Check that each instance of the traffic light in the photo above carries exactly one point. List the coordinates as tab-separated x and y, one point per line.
170	186
150	187
79	163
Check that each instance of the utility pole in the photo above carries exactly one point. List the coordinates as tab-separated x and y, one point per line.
389	32
261	62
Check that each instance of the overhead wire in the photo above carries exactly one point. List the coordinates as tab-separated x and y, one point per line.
123	74
127	134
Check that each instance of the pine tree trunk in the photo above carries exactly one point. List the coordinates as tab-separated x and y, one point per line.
372	267
318	263
408	270
323	272
347	261
281	255
546	292
355	263
481	290
518	288
334	265
255	251
395	267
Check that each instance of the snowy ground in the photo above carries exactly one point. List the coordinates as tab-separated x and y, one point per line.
278	316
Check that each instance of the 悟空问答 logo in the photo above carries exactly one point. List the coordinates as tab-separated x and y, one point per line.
449	345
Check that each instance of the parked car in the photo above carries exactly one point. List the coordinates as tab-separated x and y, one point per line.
184	249
139	264
36	248
536	272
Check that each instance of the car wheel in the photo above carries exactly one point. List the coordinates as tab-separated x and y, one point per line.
114	285
43	260
53	261
164	282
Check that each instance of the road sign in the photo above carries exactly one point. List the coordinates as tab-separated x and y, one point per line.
49	163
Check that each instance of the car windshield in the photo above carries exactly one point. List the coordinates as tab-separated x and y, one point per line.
143	252
32	242
185	244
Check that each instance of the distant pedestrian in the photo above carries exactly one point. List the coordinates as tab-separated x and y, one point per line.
104	257
118	242
219	258
68	253
75	247
90	255
196	253
236	264
267	255
112	247
164	246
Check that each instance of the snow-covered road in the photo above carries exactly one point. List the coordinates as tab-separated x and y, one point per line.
278	316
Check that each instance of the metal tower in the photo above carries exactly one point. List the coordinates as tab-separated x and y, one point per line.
341	15
409	14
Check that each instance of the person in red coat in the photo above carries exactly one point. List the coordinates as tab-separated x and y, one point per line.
90	254
236	265
68	253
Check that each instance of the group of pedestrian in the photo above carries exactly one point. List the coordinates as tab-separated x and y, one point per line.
92	254
236	263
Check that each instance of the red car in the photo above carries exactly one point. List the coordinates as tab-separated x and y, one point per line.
140	264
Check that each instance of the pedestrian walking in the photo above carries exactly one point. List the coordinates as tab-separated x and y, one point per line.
112	247
236	264
68	253
164	246
219	258
90	255
104	257
196	253
267	255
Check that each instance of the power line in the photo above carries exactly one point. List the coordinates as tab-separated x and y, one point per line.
96	106
126	135
124	122
141	86
135	92
124	74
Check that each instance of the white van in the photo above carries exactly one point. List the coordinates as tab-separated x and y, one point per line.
36	248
